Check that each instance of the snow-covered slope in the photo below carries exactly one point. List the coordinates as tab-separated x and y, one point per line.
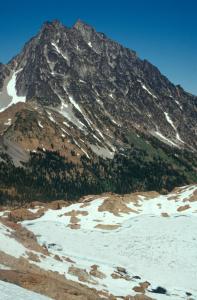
10	291
12	92
121	245
142	240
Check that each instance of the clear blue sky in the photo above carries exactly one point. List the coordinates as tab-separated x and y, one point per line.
162	31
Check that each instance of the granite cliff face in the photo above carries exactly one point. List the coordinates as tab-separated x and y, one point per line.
95	83
74	89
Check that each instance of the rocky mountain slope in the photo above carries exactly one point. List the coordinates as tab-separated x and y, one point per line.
139	246
75	91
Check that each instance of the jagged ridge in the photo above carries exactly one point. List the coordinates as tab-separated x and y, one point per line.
84	94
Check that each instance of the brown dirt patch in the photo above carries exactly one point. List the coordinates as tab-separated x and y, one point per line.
89	198
178	190
176	193
116	276
138	297
68	259
22	214
85	205
173	198
57	258
106	226
116	205
32	256
121	273
74	218
182	208
58	204
74	226
193	197
75	213
96	273
49	286
164	214
24	236
142	287
48	283
81	274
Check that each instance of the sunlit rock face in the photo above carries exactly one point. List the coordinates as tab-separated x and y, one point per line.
87	77
78	93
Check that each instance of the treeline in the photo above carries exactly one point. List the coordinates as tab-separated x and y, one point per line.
48	176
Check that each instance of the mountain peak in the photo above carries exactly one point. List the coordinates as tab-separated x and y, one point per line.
100	89
81	25
53	23
51	26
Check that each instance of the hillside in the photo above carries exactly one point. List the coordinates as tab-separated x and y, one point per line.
76	105
139	246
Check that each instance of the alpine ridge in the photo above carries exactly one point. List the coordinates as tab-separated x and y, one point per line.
76	93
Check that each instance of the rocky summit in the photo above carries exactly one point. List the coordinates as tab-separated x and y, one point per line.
77	106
